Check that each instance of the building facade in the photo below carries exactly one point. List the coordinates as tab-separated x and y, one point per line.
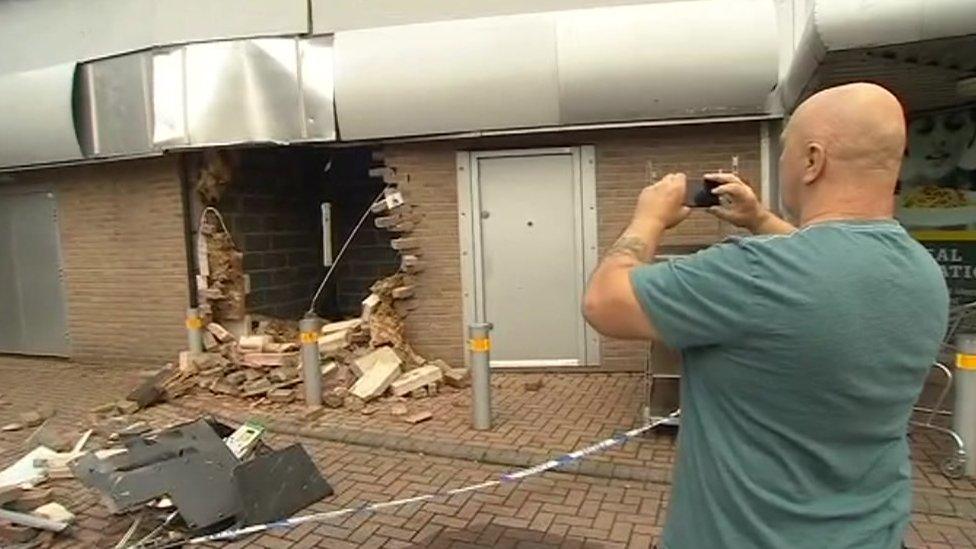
519	156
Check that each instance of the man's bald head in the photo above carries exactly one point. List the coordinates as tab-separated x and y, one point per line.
843	144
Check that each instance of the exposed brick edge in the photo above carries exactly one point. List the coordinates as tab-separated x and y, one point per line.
373	438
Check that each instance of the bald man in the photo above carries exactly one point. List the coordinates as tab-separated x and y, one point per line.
804	348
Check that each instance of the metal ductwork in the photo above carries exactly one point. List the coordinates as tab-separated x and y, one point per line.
268	90
261	90
618	63
844	25
623	63
113	106
36	124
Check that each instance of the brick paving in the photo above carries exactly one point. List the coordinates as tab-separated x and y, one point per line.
569	411
552	510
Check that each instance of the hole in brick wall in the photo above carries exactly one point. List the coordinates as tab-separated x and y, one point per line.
273	209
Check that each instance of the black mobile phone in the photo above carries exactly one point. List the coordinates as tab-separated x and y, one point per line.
699	194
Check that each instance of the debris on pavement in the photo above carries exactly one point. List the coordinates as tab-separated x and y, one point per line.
50	436
56	512
417	417
29	499
214	476
24	470
363	359
189	463
33	521
243	440
533	386
277	485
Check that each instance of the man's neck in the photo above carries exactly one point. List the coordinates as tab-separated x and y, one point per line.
864	196
826	217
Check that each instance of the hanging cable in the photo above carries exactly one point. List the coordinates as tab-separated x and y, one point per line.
328	274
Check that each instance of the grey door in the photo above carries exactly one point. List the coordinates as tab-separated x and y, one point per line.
32	314
530	275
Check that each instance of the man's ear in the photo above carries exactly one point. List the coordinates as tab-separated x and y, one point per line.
815	158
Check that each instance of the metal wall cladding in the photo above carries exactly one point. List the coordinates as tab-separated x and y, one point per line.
671	60
113	106
244	91
494	72
39	33
33	319
624	63
36	116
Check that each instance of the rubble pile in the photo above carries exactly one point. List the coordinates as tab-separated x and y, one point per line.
221	284
361	359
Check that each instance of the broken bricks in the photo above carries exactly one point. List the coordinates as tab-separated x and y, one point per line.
281	396
416	379
457	377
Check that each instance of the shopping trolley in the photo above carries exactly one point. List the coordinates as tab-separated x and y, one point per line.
661	384
961	317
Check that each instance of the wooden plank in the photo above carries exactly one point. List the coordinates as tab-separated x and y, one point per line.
415	379
362	364
375	381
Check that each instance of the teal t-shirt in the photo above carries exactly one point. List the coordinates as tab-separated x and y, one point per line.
803	356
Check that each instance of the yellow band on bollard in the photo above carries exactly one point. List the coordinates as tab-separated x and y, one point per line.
966	362
481	345
194	323
308	337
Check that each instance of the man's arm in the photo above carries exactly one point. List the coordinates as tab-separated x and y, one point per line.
610	304
742	208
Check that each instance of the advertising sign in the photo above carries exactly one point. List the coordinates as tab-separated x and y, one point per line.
936	196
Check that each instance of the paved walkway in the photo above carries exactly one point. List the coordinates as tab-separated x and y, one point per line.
552	510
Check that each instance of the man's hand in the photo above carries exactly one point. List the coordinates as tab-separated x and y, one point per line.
662	203
741	207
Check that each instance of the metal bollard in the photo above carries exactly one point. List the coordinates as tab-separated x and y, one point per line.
194	331
311	365
964	413
480	345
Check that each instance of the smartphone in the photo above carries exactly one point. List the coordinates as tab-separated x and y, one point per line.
699	194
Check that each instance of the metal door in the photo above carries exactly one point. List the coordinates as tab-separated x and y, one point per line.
529	255
32	317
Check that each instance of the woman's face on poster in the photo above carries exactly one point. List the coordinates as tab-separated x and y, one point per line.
937	142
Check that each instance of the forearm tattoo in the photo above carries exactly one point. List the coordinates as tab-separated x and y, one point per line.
628	245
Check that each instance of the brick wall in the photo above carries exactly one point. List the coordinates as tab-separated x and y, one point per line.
273	213
620	168
124	258
435	326
369	257
273	209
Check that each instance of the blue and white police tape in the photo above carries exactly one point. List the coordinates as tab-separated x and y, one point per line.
513	476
